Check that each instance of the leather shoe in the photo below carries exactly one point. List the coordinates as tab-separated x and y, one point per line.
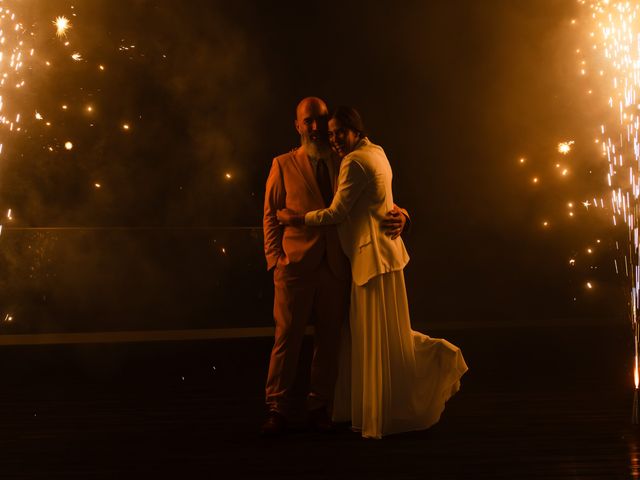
274	425
320	421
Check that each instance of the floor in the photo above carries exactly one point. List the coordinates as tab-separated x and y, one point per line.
539	401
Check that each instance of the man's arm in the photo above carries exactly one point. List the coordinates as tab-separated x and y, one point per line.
274	199
396	222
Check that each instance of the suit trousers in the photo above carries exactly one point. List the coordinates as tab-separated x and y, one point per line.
297	299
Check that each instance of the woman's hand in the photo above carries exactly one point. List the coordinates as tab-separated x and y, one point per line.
289	217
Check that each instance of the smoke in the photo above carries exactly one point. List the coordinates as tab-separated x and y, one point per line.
187	81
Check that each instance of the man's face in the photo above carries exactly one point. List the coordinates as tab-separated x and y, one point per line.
311	123
343	140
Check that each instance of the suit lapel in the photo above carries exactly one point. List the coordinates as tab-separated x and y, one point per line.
303	164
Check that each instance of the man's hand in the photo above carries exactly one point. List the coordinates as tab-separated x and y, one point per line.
394	222
289	217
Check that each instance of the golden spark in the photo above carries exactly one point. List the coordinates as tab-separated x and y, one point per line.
565	147
62	25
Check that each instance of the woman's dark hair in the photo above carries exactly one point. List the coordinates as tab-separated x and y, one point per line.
348	117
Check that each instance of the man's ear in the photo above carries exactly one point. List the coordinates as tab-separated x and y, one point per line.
295	124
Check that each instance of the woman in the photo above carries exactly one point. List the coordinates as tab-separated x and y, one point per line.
400	379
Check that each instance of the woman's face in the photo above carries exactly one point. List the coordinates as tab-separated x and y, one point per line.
343	140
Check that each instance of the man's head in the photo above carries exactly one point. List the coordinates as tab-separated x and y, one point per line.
346	129
311	123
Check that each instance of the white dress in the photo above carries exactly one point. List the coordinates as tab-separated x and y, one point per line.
392	379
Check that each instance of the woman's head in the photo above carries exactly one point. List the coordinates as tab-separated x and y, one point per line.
346	129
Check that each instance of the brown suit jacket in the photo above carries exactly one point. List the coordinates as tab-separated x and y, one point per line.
299	250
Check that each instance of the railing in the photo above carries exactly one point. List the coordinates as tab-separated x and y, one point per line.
112	279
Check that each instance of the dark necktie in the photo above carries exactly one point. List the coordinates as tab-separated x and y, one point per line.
324	182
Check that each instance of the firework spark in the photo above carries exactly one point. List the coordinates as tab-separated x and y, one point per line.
62	25
565	147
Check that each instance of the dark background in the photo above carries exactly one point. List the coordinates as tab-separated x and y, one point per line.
455	91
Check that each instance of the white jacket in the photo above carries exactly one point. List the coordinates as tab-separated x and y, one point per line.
360	204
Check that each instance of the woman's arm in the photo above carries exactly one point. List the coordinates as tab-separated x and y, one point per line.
351	182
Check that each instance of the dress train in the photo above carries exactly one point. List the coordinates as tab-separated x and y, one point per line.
392	379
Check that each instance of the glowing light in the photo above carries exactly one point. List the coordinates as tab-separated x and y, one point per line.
227	176
535	180
126	126
76	56
62	25
68	145
97	185
522	160
565	147
589	285
572	262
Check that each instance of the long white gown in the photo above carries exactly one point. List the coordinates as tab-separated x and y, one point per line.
392	379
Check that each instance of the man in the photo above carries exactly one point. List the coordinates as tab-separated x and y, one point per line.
310	272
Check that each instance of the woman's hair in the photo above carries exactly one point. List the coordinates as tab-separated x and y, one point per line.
348	117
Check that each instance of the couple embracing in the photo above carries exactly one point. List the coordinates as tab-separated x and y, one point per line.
332	238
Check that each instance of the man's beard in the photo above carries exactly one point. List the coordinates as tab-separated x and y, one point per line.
317	149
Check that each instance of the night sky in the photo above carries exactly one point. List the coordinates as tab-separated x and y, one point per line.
455	92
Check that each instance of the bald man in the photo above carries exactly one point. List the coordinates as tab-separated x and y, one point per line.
311	274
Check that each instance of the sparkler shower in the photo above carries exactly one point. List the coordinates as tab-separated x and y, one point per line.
611	60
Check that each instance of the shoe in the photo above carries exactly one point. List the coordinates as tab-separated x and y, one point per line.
274	425
319	421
